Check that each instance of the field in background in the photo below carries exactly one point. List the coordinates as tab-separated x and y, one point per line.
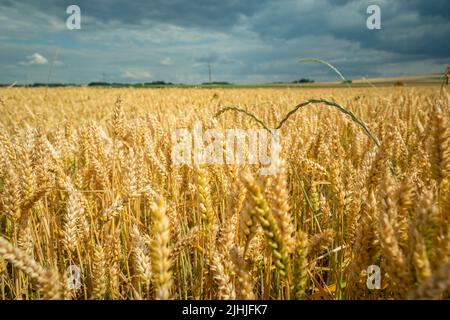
87	181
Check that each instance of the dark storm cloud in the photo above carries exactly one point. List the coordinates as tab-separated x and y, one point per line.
408	27
436	8
215	14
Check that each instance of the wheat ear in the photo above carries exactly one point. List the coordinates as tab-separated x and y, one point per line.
99	276
47	281
269	225
160	251
434	286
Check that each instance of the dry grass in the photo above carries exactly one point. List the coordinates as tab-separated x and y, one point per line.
87	179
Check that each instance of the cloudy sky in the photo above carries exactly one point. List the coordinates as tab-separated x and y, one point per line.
251	41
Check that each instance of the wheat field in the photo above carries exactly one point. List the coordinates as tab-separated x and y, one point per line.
87	183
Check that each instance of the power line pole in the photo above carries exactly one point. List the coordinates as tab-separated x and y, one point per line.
209	72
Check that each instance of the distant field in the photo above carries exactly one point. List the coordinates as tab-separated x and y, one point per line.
88	182
418	80
421	80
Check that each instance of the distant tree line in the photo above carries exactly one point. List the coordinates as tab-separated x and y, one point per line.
116	84
303	80
41	85
92	84
220	83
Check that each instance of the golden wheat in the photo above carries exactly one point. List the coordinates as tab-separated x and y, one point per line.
92	184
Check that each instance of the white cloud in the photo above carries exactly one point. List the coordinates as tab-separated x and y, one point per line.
35	58
136	74
167	61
